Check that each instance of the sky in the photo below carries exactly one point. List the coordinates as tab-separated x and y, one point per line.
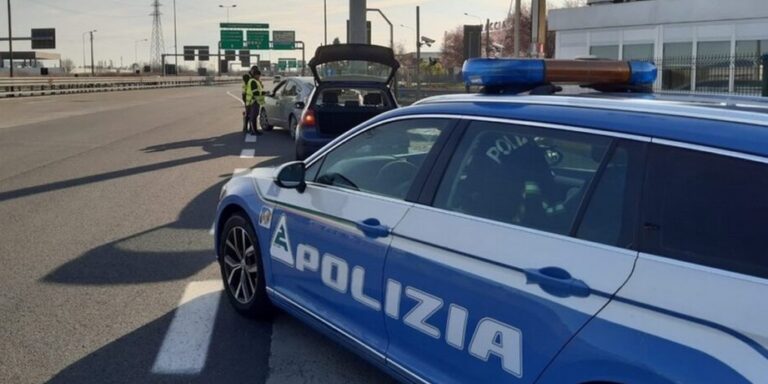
121	23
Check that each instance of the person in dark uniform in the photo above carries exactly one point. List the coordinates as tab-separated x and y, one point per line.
246	112
254	95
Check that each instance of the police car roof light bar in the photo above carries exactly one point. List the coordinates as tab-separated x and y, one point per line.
521	75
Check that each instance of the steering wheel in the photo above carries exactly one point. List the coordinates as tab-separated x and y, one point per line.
332	178
396	176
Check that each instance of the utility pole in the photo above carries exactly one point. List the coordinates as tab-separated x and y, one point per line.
517	28
418	54
93	70
175	42
10	38
487	37
325	22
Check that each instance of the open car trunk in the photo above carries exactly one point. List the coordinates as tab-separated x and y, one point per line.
337	120
354	62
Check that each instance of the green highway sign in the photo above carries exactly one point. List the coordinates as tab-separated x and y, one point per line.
231	39
284	64
283	39
245	25
257	39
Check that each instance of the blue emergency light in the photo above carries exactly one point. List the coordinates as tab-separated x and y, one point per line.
527	74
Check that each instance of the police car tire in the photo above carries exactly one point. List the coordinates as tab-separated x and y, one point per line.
263	122
259	306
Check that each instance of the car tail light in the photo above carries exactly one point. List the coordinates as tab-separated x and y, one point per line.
309	117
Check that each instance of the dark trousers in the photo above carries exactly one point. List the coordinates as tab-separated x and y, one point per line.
253	116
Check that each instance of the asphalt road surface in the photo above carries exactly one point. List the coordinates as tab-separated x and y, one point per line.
108	271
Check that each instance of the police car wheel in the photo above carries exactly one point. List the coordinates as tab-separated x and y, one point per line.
263	121
241	268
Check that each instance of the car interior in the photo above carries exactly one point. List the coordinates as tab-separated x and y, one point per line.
532	185
340	109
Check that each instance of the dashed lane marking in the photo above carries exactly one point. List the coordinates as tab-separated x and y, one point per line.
185	347
247	153
250	138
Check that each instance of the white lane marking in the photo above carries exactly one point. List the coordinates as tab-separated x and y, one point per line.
185	347
240	99
247	153
250	138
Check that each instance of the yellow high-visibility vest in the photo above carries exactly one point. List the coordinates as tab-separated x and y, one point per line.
254	92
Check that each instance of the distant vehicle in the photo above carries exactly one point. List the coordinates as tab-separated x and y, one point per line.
353	85
521	235
284	105
277	78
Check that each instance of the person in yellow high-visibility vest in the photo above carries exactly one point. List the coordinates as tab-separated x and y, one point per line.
247	111
254	98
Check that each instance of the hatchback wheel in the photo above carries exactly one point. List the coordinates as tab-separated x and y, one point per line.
241	268
292	126
264	121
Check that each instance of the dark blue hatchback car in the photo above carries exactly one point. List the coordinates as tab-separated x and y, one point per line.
519	238
353	84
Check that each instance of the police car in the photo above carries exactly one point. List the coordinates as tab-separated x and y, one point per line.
522	236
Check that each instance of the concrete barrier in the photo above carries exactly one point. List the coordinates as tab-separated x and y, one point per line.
39	86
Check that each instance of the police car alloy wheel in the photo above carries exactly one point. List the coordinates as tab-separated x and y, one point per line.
241	268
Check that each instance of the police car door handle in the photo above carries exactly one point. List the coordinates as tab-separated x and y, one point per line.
557	282
373	228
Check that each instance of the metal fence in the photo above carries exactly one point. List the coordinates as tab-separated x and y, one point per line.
740	74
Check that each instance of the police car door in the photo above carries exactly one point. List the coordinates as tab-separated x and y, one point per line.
329	241
488	283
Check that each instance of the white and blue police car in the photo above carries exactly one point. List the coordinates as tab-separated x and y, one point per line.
523	236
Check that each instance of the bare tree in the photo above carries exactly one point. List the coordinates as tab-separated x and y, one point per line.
452	52
68	65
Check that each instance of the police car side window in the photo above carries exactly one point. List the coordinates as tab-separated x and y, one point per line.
610	215
383	160
526	176
707	209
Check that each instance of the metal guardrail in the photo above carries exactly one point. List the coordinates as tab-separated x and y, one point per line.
36	86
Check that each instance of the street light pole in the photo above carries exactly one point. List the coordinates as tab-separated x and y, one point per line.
391	29
227	7
93	69
10	38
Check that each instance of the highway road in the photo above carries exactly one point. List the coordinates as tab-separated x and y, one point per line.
108	271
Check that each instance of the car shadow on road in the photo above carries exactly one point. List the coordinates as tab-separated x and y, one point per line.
170	252
238	353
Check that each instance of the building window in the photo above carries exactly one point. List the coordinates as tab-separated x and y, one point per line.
676	66
713	66
638	52
610	52
747	63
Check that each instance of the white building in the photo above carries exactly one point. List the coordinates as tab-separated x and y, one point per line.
721	40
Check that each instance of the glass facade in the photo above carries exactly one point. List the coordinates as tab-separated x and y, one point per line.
676	66
748	76
610	52
637	52
713	66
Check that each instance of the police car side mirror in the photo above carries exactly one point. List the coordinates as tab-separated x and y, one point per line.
291	176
